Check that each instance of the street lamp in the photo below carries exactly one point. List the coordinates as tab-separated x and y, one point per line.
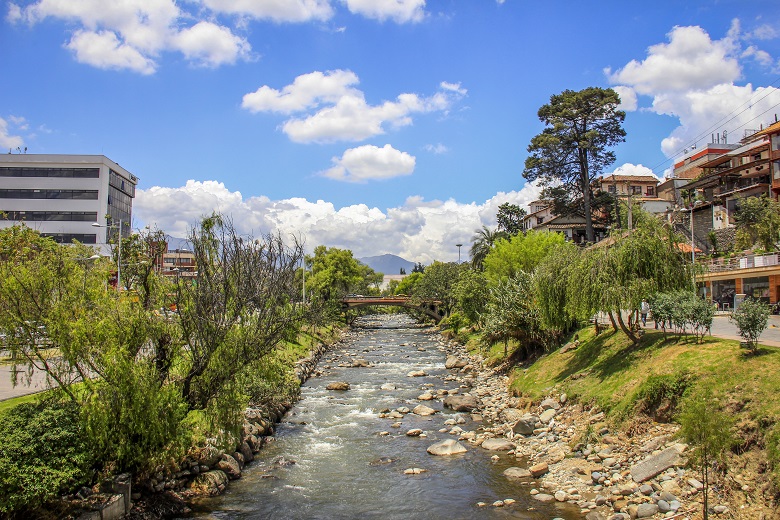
119	251
459	246
86	260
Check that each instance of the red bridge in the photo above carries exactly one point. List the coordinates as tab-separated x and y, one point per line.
429	307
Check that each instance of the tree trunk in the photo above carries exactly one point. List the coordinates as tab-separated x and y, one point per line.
590	236
612	319
633	337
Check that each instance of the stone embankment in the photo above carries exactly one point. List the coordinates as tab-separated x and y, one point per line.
564	452
205	471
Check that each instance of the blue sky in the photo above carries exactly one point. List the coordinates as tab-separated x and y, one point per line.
384	126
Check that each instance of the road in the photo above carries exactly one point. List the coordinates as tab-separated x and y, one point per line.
8	390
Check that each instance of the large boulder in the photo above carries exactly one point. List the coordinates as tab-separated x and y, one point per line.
455	362
423	410
498	445
655	464
210	483
461	403
538	470
338	385
526	424
230	466
516	472
448	447
547	415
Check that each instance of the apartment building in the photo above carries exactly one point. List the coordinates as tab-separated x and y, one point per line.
62	196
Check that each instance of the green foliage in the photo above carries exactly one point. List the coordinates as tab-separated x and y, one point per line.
522	252
573	149
408	285
685	311
662	390
550	288
512	315
708	429
751	318
510	218
438	283
44	452
453	322
471	293
336	273
758	222
482	243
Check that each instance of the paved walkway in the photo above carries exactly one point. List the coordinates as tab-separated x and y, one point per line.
8	390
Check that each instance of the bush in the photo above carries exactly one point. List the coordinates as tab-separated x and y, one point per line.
44	452
684	310
751	318
659	395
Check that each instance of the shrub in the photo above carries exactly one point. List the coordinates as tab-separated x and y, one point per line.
751	318
659	395
44	452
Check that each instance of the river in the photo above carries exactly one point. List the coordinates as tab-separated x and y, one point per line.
331	458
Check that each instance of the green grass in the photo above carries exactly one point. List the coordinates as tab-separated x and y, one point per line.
16	401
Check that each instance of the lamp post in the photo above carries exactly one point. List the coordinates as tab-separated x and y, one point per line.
459	246
119	251
86	260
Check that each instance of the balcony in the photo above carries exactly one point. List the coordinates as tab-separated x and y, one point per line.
720	265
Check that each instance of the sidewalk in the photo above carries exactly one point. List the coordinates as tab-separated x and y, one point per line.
722	327
8	390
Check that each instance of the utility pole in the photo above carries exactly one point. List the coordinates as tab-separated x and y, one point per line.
459	246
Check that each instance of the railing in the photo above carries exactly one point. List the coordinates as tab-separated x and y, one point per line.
717	265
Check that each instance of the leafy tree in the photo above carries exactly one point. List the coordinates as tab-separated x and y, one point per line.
418	268
751	318
438	283
471	294
705	426
482	243
573	149
512	315
521	252
758	222
335	273
510	218
402	271
684	310
408	285
550	288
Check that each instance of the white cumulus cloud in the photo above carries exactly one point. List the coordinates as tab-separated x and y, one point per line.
417	230
104	51
276	10
633	169
370	162
210	44
6	139
336	111
401	11
694	78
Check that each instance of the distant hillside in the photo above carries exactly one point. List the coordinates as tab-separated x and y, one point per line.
177	243
387	264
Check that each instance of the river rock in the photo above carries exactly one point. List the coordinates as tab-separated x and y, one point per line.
210	483
209	456
510	415
388	386
414	471
655	464
423	410
230	466
414	432
537	470
461	403
517	473
246	451
549	403
547	415
448	447
359	363
417	373
338	385
645	510
526	424
427	396
544	498
498	445
455	362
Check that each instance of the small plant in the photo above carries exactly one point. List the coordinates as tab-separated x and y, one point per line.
708	429
751	318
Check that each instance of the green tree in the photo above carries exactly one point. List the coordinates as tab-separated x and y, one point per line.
550	288
471	294
510	218
705	426
758	222
438	283
522	252
335	273
408	285
482	243
751	318
573	149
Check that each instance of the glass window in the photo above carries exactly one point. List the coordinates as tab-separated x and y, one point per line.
757	287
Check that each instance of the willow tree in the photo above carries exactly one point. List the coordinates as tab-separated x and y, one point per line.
550	288
616	274
573	149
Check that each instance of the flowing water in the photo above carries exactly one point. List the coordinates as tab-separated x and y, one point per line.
344	469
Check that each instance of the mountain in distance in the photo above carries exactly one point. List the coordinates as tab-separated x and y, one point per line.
387	264
177	243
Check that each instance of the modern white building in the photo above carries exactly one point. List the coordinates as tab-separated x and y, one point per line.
62	196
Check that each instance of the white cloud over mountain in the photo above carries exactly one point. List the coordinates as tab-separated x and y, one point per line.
333	110
694	79
418	230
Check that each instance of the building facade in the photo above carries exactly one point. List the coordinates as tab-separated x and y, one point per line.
62	196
